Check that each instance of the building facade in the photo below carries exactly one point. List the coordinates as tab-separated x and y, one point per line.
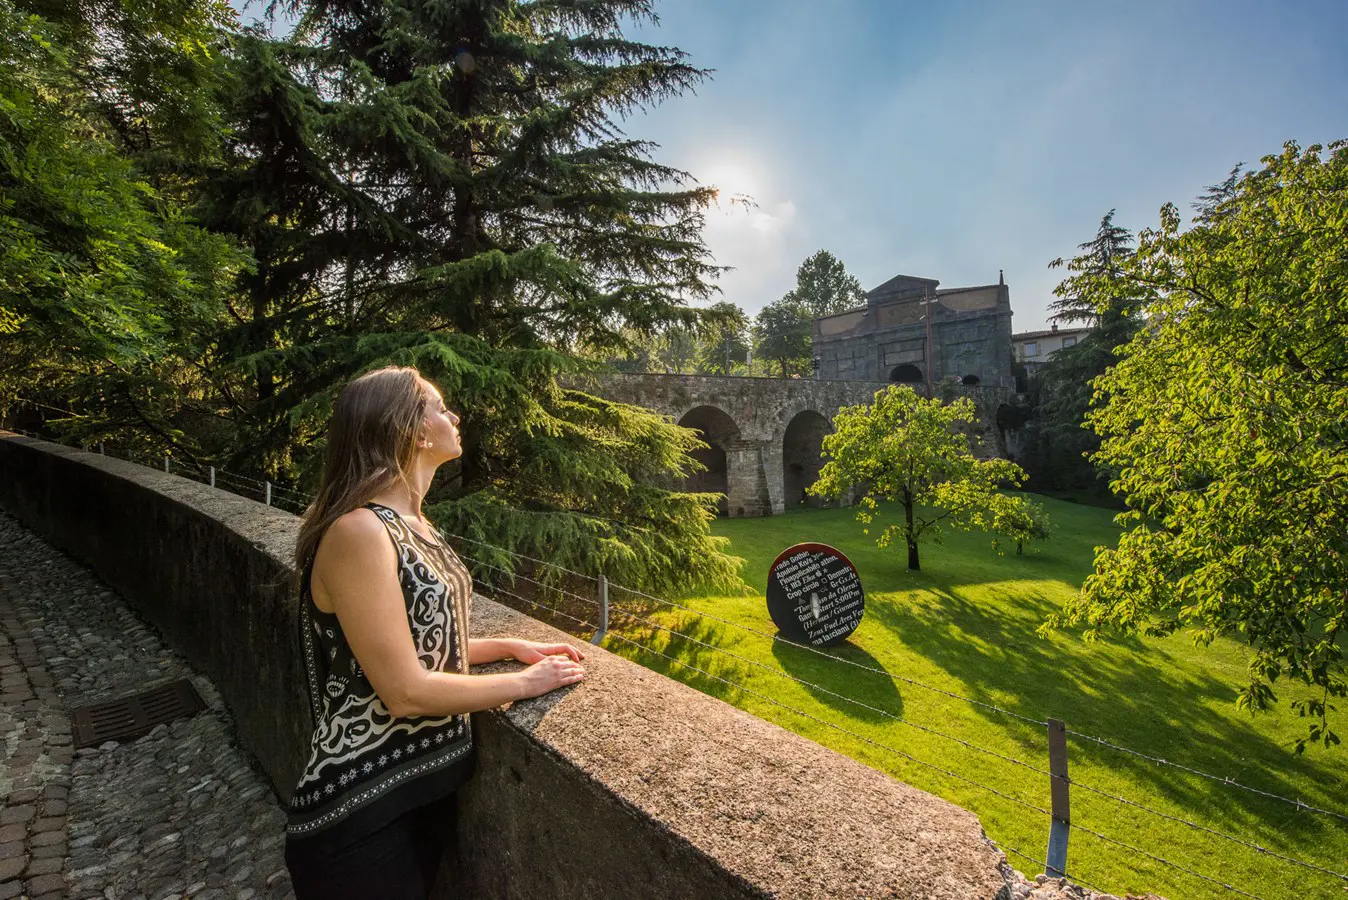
1033	348
967	337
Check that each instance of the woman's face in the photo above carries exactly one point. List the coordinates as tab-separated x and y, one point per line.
440	427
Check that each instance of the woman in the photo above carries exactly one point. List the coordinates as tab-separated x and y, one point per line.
384	628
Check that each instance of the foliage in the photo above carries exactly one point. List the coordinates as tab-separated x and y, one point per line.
783	330
1065	388
443	185
966	624
782	334
824	287
98	273
1224	421
145	71
907	449
724	343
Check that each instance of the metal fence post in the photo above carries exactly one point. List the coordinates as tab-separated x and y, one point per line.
212	476
603	610
100	449
166	462
1061	824
267	487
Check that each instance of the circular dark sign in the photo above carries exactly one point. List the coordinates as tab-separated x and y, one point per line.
814	595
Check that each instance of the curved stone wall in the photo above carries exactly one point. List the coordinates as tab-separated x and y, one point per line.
630	785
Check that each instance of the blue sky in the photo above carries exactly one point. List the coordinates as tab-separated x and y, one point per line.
953	138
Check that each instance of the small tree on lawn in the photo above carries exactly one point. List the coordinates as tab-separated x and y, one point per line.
905	449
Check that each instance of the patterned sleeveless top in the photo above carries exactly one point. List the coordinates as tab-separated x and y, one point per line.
365	766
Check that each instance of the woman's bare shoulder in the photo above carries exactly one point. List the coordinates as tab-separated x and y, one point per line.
359	533
354	554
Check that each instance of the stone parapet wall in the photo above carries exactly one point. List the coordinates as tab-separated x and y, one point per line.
630	785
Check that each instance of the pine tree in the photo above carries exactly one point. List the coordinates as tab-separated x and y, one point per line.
1101	258
1066	383
454	194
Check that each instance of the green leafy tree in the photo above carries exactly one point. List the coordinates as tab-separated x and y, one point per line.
909	450
1224	421
782	335
674	350
783	331
723	345
824	287
100	272
146	72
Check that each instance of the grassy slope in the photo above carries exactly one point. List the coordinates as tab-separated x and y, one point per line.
966	624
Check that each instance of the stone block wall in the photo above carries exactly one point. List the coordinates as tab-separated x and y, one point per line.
629	785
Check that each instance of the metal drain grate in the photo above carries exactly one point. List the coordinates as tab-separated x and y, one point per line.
120	720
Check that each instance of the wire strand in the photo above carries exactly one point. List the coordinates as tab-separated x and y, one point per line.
933	731
1203	828
1299	804
1152	856
1007	848
750	629
802	713
979	703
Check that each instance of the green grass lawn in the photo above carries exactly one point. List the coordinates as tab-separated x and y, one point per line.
966	624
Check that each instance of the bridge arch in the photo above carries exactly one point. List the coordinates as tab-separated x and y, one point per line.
715	426
802	446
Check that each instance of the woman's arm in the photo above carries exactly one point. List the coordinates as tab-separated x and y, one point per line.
355	572
485	650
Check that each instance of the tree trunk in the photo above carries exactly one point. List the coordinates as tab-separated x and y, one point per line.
914	565
465	244
266	382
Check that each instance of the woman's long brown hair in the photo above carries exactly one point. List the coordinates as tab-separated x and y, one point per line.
372	441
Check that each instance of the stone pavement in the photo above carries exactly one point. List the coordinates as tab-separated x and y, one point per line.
179	812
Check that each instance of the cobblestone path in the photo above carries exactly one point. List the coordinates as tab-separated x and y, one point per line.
179	812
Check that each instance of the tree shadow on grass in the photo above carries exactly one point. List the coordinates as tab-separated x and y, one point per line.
682	656
1128	691
832	683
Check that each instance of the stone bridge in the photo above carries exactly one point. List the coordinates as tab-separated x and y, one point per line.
765	434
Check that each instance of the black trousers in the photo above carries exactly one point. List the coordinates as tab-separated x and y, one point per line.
397	862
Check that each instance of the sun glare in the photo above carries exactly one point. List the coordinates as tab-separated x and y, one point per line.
733	179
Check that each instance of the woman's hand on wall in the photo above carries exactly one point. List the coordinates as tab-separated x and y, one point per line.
530	652
548	674
486	650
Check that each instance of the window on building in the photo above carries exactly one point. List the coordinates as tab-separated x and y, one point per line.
1069	342
1031	348
970	380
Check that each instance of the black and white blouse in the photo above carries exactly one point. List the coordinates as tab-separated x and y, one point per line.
365	766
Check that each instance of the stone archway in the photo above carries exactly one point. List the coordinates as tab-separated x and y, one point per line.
802	445
715	427
905	374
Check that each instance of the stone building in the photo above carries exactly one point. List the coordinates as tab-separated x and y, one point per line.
887	340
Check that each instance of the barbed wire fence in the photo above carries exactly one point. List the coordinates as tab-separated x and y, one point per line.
499	580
